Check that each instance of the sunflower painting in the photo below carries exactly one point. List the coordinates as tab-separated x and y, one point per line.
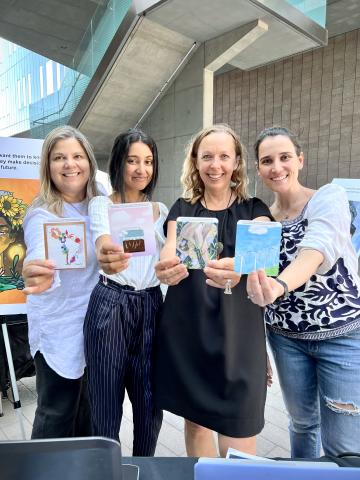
15	197
12	212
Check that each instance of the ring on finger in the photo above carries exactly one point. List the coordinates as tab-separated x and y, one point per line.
227	288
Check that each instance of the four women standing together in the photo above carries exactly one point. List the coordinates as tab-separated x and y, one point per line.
210	362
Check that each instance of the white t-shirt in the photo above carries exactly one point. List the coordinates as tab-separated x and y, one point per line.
141	272
56	316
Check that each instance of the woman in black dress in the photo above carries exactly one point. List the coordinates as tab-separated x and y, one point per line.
211	355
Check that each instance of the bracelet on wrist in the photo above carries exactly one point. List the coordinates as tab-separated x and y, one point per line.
286	290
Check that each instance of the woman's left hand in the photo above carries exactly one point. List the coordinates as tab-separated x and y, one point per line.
262	289
220	272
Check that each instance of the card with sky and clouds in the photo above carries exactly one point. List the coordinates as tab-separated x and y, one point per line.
257	246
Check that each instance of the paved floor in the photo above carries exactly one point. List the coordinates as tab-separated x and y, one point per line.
273	440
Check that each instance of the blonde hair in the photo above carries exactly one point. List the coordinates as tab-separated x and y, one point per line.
49	195
193	186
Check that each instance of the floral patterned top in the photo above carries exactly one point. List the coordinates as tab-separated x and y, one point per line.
328	305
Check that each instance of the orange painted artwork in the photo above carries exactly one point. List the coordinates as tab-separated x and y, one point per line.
15	197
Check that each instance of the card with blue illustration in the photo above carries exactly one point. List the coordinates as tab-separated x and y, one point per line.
196	241
132	227
257	246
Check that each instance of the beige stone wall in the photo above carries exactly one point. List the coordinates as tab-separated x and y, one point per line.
316	94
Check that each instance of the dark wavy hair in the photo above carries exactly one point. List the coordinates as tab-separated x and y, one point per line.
119	154
274	132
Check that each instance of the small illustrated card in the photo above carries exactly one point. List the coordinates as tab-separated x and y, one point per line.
132	227
257	246
65	243
196	241
352	187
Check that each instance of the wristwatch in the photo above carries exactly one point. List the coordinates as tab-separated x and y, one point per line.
286	290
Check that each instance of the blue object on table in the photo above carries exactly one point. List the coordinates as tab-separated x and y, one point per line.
227	469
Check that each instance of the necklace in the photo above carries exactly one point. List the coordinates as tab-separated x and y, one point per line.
220	245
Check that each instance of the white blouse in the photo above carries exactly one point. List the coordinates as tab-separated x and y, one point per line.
141	271
328	305
56	317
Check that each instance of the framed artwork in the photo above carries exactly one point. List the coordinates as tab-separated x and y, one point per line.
65	244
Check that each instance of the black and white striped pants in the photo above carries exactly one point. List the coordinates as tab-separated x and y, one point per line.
119	330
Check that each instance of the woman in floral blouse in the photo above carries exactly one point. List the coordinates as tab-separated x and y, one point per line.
313	307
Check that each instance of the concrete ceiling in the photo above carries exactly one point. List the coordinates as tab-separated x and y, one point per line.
151	52
155	47
206	20
146	61
342	16
52	28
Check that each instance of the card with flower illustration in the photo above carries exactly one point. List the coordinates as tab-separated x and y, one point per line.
257	246
196	241
65	243
132	227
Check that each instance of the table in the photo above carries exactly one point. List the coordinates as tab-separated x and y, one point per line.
163	468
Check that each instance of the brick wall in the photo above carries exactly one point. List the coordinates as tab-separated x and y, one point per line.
316	94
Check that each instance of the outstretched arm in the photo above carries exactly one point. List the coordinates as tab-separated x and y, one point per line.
264	290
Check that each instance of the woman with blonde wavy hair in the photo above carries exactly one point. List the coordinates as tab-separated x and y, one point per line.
57	299
211	356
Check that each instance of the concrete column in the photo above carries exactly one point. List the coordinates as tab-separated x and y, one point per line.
222	50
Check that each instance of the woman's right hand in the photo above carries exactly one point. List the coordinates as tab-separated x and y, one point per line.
111	257
262	289
38	276
171	271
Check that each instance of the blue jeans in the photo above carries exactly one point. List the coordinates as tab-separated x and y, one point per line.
318	380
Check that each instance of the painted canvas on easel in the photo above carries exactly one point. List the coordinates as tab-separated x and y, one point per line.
19	171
